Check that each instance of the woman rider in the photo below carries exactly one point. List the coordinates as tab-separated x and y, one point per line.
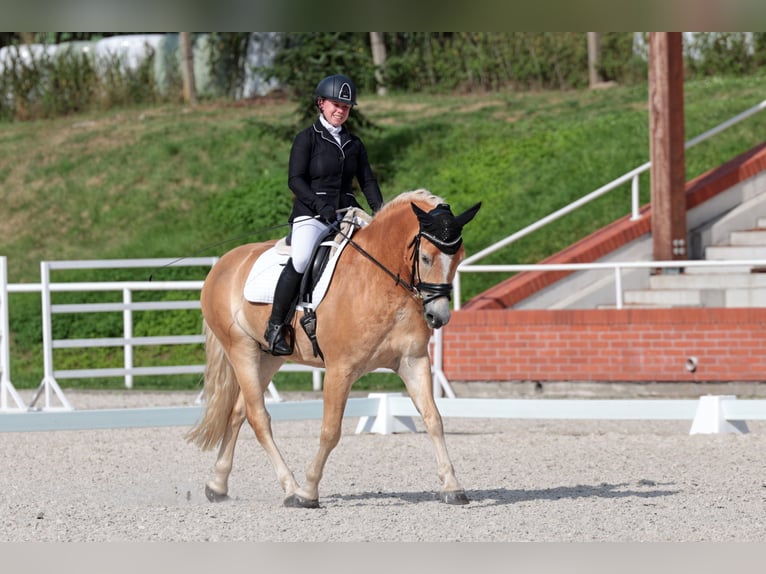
324	159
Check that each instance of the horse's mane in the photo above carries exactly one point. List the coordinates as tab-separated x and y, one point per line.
416	195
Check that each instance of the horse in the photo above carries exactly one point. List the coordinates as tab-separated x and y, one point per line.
371	317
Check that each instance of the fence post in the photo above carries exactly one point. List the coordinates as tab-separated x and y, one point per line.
48	385
634	199
127	333
385	421
456	290
440	382
316	379
6	387
710	419
618	287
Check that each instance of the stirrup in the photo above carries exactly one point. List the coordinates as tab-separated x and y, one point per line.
277	341
309	324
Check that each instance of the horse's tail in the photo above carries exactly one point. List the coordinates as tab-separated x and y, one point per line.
220	392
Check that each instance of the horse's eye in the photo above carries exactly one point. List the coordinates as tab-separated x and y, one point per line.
425	259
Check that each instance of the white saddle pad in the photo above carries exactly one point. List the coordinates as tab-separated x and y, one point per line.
262	280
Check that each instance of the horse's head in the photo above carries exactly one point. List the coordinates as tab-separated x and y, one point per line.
435	261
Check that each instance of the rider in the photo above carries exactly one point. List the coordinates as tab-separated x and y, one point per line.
324	159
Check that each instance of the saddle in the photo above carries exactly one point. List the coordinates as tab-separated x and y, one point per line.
260	284
323	250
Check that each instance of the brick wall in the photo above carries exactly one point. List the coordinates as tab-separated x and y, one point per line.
606	345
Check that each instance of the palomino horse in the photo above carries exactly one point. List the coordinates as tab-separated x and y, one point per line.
390	289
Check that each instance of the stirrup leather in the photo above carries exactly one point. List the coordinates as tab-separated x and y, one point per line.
309	324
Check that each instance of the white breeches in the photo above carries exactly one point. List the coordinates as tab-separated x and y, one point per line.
306	232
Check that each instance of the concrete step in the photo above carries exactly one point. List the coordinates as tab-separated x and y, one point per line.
719	270
641	306
733	252
708	281
737	297
748	237
674	297
745	297
713	285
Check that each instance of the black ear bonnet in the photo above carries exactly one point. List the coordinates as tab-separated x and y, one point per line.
442	228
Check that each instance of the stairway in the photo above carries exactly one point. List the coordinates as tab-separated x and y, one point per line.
712	286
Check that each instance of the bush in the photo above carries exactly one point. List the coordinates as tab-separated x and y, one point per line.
43	82
257	209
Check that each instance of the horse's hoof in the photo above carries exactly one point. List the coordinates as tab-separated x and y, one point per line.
454	497
297	501
213	496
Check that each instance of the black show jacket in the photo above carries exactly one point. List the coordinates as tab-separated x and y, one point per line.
321	172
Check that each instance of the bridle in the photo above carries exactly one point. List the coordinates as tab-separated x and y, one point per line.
437	290
425	292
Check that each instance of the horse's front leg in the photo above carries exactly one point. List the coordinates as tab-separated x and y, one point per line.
335	396
416	374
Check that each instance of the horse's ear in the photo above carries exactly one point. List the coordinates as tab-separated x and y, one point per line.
468	215
422	215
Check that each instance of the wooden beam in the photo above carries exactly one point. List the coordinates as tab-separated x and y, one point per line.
666	126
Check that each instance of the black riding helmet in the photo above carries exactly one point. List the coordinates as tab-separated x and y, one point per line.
338	87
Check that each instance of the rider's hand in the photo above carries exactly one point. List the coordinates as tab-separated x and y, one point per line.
327	214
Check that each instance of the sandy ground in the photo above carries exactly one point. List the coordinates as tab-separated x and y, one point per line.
545	481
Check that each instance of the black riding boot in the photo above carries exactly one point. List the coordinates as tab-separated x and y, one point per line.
285	293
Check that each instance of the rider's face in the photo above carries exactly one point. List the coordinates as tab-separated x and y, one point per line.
334	112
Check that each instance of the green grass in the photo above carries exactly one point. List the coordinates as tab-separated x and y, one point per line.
169	181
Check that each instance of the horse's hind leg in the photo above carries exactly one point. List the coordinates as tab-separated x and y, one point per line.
254	370
217	489
416	373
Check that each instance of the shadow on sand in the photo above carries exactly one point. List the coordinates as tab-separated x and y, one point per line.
500	496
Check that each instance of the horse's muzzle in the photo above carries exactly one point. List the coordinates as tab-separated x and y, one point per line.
437	312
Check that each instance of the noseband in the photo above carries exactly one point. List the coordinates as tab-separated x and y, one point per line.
436	290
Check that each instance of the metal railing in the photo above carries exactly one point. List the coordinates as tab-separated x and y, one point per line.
618	267
632	177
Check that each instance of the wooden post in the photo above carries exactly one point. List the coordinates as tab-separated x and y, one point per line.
666	126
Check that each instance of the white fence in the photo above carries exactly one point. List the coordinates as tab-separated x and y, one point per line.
49	384
49	389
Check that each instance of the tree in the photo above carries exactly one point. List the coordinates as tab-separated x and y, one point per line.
379	61
594	59
190	92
